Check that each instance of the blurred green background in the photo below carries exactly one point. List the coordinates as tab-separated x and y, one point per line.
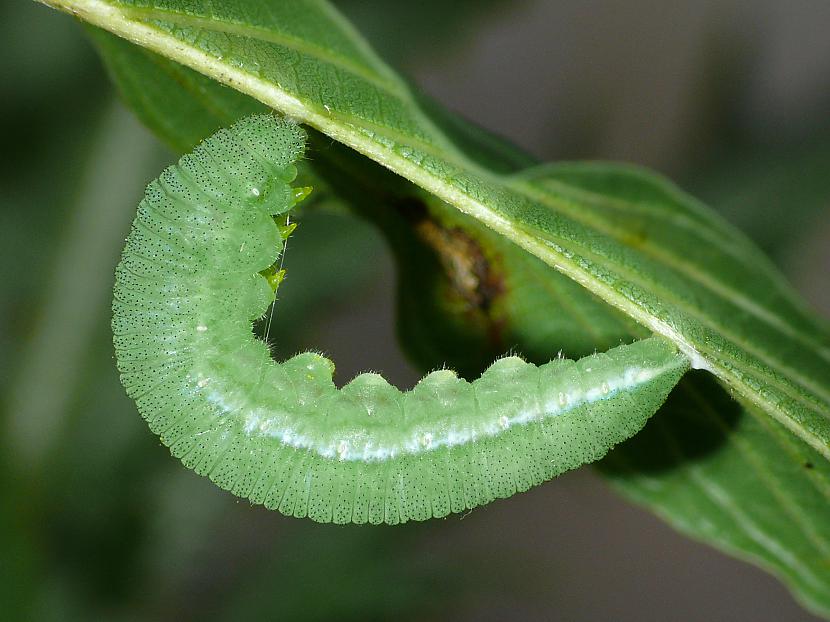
97	522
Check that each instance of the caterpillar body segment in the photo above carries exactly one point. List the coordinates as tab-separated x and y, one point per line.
199	267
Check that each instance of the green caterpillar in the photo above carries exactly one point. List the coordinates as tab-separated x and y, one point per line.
198	268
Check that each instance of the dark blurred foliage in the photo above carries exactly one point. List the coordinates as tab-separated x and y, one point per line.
777	192
98	523
405	31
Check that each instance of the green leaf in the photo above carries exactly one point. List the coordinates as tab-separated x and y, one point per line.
717	471
660	257
731	476
625	234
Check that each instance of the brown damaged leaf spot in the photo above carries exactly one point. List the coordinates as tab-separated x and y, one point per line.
473	277
468	270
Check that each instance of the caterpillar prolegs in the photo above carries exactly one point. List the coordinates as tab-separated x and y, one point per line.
189	285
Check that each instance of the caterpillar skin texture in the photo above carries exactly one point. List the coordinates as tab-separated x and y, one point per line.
281	434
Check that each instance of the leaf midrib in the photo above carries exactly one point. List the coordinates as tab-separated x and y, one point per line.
712	231
259	33
675	262
706	321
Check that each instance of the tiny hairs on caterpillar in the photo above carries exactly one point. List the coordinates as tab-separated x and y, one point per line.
199	267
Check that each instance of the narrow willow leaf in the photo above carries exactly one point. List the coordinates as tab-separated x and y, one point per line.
674	266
